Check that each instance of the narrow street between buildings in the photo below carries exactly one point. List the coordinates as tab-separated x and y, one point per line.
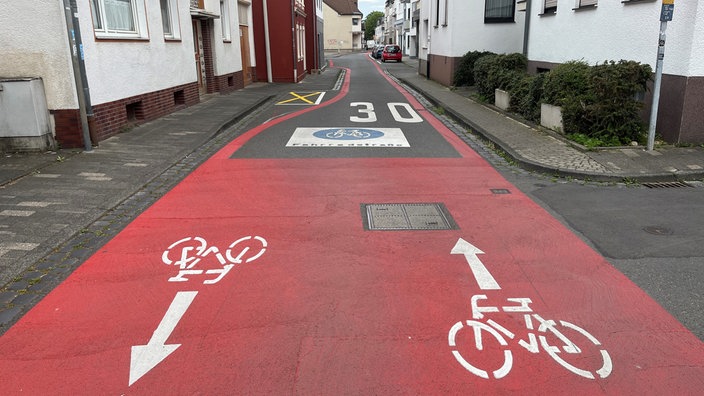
349	244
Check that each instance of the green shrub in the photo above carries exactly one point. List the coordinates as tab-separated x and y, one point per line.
498	71
464	74
598	102
567	86
565	83
615	112
525	96
591	142
482	68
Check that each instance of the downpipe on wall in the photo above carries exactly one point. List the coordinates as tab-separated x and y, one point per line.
85	108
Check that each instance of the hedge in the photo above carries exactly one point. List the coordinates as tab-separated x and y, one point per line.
598	102
498	71
464	74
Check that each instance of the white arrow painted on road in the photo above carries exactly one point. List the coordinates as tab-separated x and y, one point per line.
481	274
146	357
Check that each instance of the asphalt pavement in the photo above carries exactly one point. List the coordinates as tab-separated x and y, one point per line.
57	208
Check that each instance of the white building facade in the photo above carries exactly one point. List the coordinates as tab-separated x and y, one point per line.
454	27
143	59
550	32
343	26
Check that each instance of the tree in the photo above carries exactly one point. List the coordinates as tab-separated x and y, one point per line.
370	24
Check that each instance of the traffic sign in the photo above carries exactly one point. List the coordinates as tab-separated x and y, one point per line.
667	11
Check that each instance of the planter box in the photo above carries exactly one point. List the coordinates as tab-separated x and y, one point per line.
502	99
551	117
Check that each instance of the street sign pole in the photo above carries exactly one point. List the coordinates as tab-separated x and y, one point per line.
668	7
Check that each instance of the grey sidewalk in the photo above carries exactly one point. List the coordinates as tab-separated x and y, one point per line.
535	148
57	208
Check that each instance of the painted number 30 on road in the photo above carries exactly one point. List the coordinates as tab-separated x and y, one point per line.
367	114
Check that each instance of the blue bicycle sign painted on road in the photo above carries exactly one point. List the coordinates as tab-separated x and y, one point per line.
348	134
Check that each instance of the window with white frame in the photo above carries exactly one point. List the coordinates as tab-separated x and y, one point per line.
497	11
301	40
549	7
119	19
169	19
585	3
225	20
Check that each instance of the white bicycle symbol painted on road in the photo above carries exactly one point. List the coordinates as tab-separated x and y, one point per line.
348	133
545	329
188	252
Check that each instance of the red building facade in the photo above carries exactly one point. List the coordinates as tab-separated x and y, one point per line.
282	39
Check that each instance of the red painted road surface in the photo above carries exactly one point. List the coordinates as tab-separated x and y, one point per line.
330	308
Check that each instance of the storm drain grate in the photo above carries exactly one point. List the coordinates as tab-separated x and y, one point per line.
667	185
408	216
500	191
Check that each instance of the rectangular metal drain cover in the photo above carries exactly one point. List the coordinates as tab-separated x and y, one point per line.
666	185
409	216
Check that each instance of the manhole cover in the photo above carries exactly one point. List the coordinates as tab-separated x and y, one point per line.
409	216
658	230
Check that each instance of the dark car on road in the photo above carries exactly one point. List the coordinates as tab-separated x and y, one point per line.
376	52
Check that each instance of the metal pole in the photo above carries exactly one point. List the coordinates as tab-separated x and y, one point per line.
668	8
526	28
71	14
656	87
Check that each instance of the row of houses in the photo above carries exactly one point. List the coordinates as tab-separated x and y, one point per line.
75	72
551	32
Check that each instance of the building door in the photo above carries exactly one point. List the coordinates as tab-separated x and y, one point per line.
199	56
244	48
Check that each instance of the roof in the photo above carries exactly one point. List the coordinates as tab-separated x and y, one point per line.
344	7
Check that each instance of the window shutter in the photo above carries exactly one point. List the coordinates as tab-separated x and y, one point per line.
583	3
550	3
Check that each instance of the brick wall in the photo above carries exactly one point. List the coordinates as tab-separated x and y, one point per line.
230	82
67	124
210	78
442	69
111	118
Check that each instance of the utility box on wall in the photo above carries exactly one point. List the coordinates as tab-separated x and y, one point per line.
25	123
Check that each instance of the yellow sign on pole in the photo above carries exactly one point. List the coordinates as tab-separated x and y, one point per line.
668	1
